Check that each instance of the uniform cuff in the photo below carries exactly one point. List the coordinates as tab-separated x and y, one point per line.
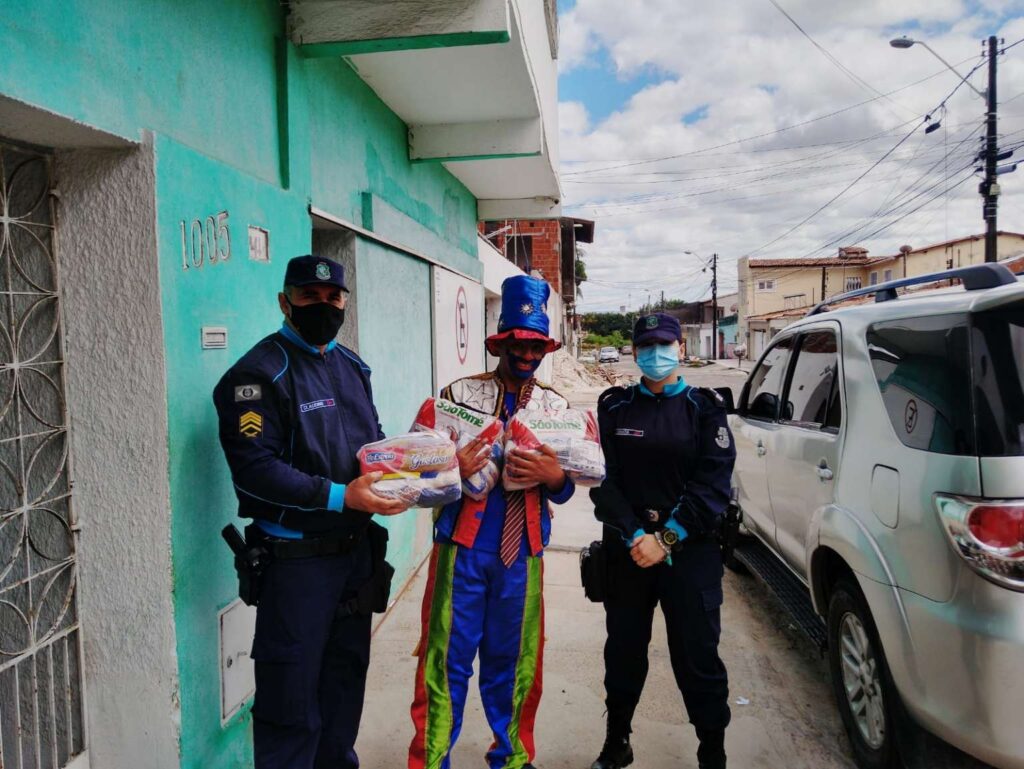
336	497
677	527
632	539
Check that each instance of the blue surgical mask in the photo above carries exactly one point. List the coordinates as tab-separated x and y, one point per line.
658	361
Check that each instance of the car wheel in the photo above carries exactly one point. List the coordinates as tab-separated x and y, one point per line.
860	679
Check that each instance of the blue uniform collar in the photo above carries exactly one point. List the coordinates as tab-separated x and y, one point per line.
290	334
670	391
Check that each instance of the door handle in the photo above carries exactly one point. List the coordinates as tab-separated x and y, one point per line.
825	473
761	450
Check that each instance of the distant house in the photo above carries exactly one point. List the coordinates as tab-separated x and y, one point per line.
775	292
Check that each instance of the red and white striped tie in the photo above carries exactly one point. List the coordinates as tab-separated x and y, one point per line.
512	530
515	502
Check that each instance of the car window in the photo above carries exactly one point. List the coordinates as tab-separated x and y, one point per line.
812	384
998	352
766	382
922	368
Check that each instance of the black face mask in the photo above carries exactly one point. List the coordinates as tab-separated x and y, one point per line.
317	323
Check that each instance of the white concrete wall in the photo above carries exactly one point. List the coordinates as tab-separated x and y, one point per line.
534	26
118	413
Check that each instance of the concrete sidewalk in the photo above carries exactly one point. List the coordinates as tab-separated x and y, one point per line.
789	720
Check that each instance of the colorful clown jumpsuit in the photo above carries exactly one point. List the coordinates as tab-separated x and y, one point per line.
474	602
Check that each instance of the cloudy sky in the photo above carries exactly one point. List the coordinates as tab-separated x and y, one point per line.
722	127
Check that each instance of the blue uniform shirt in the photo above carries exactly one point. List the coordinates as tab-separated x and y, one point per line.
291	421
671	451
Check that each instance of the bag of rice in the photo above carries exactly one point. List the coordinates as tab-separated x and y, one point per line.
571	433
462	425
418	467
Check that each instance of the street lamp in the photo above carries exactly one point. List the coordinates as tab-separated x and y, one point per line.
989	188
906	42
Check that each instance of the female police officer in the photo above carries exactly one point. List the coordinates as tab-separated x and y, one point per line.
670	457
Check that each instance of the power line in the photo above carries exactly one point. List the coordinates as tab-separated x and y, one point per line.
761	135
850	186
857	80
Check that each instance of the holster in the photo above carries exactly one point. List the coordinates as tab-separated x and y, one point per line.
594	571
729	531
251	561
372	597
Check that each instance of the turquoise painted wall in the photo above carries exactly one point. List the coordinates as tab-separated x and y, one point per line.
201	72
358	134
242	124
241	295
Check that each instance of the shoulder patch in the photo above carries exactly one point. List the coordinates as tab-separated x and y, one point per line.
248	392
250	424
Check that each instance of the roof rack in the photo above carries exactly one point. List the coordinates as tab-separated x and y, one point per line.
974	278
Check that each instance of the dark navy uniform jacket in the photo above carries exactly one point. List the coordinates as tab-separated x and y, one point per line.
672	452
291	422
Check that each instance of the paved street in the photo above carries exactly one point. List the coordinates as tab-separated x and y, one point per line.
786	720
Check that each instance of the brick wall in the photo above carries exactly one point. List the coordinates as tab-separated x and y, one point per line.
547	244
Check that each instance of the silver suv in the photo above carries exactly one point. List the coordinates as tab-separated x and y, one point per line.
881	462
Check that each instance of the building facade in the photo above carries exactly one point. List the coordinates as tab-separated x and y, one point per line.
159	163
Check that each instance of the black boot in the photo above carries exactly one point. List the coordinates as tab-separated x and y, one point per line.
711	752
615	754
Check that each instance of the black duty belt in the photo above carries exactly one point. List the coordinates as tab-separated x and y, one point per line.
334	544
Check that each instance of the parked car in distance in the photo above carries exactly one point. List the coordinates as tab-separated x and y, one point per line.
608	355
587	357
880	470
626	349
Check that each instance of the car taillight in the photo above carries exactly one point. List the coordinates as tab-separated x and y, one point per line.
988	534
998	526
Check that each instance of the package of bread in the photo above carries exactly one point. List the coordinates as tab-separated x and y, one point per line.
572	434
463	425
418	467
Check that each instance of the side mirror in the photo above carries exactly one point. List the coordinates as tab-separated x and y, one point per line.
765	406
726	393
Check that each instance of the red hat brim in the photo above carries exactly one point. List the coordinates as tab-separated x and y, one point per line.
519	333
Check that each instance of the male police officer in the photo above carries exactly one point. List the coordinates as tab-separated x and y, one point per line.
670	457
293	412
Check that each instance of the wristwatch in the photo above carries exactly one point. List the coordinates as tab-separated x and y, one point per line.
669	537
663	539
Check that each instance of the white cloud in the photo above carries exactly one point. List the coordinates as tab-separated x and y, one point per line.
756	74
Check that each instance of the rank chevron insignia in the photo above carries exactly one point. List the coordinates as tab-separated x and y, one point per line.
250	424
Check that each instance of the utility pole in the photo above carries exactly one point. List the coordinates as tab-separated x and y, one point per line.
663	301
824	279
714	307
990	187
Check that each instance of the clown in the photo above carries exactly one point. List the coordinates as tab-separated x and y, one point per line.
486	574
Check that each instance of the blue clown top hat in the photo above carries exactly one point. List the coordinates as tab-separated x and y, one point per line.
524	312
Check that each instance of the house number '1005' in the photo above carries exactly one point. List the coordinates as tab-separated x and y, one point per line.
205	240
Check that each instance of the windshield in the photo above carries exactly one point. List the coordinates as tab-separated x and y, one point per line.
997	346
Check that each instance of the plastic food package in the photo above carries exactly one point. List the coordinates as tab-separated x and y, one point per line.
571	433
462	425
419	467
